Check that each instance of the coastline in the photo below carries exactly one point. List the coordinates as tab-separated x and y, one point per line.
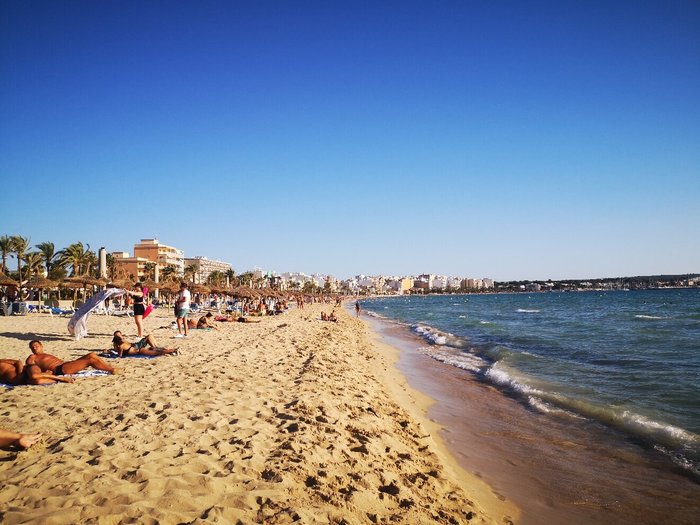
292	419
549	467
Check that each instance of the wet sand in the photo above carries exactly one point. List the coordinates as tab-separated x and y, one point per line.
555	469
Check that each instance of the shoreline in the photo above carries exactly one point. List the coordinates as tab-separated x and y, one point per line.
549	467
291	419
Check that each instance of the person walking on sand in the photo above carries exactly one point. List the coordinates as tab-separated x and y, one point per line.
51	363
139	307
182	309
357	308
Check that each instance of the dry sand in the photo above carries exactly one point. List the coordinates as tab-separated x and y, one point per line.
289	420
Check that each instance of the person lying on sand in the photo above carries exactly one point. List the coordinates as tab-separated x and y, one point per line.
141	347
51	363
204	322
13	439
230	319
13	372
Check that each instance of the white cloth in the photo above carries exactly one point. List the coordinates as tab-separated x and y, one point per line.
77	326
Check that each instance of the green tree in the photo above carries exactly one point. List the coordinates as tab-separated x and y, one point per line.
5	250
190	271
216	278
78	258
169	272
51	257
34	264
19	246
149	270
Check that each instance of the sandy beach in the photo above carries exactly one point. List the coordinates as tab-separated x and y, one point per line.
289	420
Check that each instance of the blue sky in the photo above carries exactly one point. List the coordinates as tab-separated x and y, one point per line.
511	140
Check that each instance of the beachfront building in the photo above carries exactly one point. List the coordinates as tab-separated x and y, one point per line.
204	267
147	251
472	284
161	254
399	285
128	267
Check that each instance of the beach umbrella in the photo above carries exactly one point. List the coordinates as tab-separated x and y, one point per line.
199	288
120	283
40	283
7	281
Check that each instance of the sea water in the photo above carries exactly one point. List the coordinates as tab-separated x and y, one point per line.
628	360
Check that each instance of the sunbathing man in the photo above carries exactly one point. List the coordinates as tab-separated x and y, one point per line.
14	439
125	348
51	363
13	372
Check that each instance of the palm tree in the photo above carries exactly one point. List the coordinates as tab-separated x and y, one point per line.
246	278
230	274
168	272
216	278
190	270
78	258
50	255
34	263
5	250
111	266
149	270
19	246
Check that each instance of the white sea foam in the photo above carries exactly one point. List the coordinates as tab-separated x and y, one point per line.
661	431
462	360
527	311
650	317
462	316
434	336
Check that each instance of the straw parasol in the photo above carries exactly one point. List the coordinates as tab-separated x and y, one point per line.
244	292
7	281
41	283
199	288
120	283
85	280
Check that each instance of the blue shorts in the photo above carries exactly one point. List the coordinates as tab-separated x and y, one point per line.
182	313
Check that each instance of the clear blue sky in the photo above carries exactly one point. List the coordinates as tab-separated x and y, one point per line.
510	140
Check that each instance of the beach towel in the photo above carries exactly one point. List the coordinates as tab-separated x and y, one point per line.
77	326
114	355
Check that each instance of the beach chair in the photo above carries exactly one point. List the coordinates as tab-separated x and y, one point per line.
63	312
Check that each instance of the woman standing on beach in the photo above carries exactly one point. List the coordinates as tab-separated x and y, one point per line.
139	307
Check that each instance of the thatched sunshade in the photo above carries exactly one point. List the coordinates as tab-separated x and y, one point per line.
151	284
121	283
84	280
199	288
7	281
244	292
41	283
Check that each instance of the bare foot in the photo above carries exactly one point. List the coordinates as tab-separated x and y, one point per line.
117	371
27	440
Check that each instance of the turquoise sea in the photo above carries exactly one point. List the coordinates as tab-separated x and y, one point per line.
629	361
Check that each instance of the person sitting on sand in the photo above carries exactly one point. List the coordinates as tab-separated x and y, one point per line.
324	317
51	363
203	322
13	372
125	348
13	439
